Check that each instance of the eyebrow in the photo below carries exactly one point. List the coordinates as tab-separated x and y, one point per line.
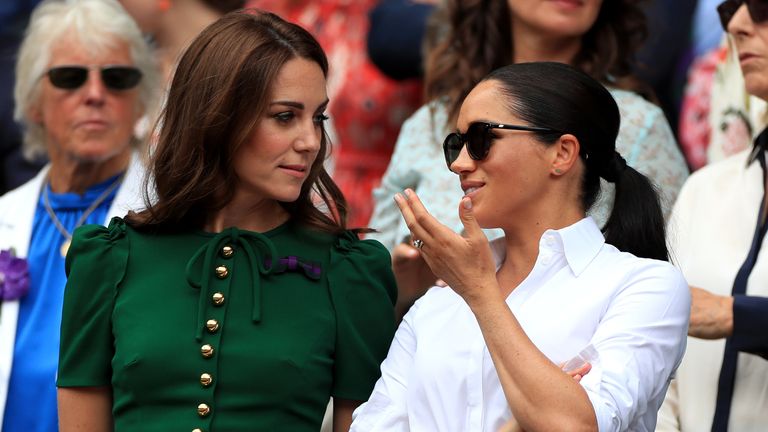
298	105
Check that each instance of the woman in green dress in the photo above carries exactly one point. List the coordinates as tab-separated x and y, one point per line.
238	300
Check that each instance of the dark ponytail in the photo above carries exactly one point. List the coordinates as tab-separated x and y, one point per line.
562	98
636	210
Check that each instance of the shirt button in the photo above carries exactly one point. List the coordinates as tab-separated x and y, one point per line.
203	410
212	325
545	261
206	350
218	299
197	430
222	272
206	379
550	241
227	251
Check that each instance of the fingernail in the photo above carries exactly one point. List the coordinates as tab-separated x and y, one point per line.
467	203
408	192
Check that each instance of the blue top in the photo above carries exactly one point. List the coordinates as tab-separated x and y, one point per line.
31	405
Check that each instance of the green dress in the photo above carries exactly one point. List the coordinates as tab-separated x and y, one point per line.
236	331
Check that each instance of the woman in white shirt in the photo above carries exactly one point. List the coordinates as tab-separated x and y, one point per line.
537	138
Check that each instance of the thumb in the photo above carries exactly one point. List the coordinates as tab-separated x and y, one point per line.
471	227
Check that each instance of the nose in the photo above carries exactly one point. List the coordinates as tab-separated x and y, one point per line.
94	88
463	163
310	138
741	22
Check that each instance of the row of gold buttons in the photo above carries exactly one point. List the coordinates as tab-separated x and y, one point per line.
212	325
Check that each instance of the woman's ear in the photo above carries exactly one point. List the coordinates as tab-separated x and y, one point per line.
565	154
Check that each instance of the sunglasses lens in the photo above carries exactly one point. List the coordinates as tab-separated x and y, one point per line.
120	77
68	77
452	148
478	141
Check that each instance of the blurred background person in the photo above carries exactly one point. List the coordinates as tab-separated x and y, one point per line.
85	76
172	24
716	237
468	40
232	302
367	107
398	28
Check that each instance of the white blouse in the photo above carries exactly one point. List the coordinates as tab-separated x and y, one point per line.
439	376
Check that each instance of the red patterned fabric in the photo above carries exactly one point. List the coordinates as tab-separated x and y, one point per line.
367	108
694	130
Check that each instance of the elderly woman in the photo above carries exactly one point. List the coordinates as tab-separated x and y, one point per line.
717	233
85	76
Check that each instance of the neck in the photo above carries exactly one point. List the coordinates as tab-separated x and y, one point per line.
532	46
248	214
173	38
69	174
522	242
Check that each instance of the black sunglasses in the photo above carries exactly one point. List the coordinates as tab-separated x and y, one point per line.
758	10
114	77
478	139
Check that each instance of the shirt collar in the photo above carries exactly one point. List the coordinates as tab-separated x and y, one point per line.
580	243
760	145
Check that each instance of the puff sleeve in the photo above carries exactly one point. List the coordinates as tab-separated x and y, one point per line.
363	292
95	265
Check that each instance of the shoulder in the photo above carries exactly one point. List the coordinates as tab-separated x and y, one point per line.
93	243
28	192
725	169
633	273
636	111
360	264
349	246
632	103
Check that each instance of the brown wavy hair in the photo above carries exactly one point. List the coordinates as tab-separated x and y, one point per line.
218	95
467	39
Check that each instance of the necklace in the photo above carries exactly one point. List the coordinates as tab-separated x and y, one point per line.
95	204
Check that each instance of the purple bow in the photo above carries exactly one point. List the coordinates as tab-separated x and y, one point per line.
310	269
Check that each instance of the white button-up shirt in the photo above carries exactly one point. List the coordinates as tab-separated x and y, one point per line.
439	376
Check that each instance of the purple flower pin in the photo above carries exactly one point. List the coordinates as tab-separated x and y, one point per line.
14	276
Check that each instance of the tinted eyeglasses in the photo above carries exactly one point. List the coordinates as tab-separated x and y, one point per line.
758	10
113	77
478	139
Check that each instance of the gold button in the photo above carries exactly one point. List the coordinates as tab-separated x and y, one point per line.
203	410
206	379
218	298
221	272
206	350
227	251
197	430
212	325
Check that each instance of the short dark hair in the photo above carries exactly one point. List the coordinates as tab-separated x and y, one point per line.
562	98
219	92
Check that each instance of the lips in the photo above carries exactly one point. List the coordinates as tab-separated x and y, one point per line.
470	187
295	170
93	123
